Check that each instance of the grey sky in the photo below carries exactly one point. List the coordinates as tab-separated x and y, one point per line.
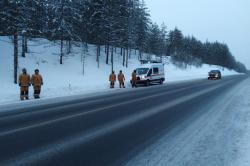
226	21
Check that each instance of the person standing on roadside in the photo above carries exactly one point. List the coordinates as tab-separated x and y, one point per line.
134	79
37	82
121	79
24	83
112	79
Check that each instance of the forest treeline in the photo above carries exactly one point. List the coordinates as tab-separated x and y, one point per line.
124	24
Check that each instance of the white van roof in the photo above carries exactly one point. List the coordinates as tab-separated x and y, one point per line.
149	65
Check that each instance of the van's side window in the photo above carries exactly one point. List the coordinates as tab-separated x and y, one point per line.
150	72
156	70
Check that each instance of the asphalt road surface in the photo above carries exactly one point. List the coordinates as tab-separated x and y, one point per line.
106	129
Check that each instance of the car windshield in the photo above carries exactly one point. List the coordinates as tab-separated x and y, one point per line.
141	71
214	71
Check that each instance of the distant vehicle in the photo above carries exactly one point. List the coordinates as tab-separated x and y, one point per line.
150	73
214	74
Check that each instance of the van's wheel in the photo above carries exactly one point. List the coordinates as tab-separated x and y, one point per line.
148	83
161	81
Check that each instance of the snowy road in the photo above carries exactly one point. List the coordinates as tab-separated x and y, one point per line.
219	135
193	123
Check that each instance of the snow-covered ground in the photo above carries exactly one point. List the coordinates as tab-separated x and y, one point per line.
67	79
219	137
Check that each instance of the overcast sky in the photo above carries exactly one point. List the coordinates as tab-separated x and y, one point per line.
226	21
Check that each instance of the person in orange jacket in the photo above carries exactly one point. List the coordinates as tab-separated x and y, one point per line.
24	83
112	79
134	79
37	82
121	79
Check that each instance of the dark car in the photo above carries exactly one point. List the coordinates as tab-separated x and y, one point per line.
214	74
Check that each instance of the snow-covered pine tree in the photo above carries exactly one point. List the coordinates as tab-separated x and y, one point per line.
175	39
81	24
97	22
63	12
141	26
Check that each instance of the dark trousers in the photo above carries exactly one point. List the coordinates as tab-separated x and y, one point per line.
121	84
37	91
24	95
134	84
112	84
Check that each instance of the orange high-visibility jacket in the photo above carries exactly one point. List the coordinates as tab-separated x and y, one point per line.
36	80
24	80
134	77
121	77
112	77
